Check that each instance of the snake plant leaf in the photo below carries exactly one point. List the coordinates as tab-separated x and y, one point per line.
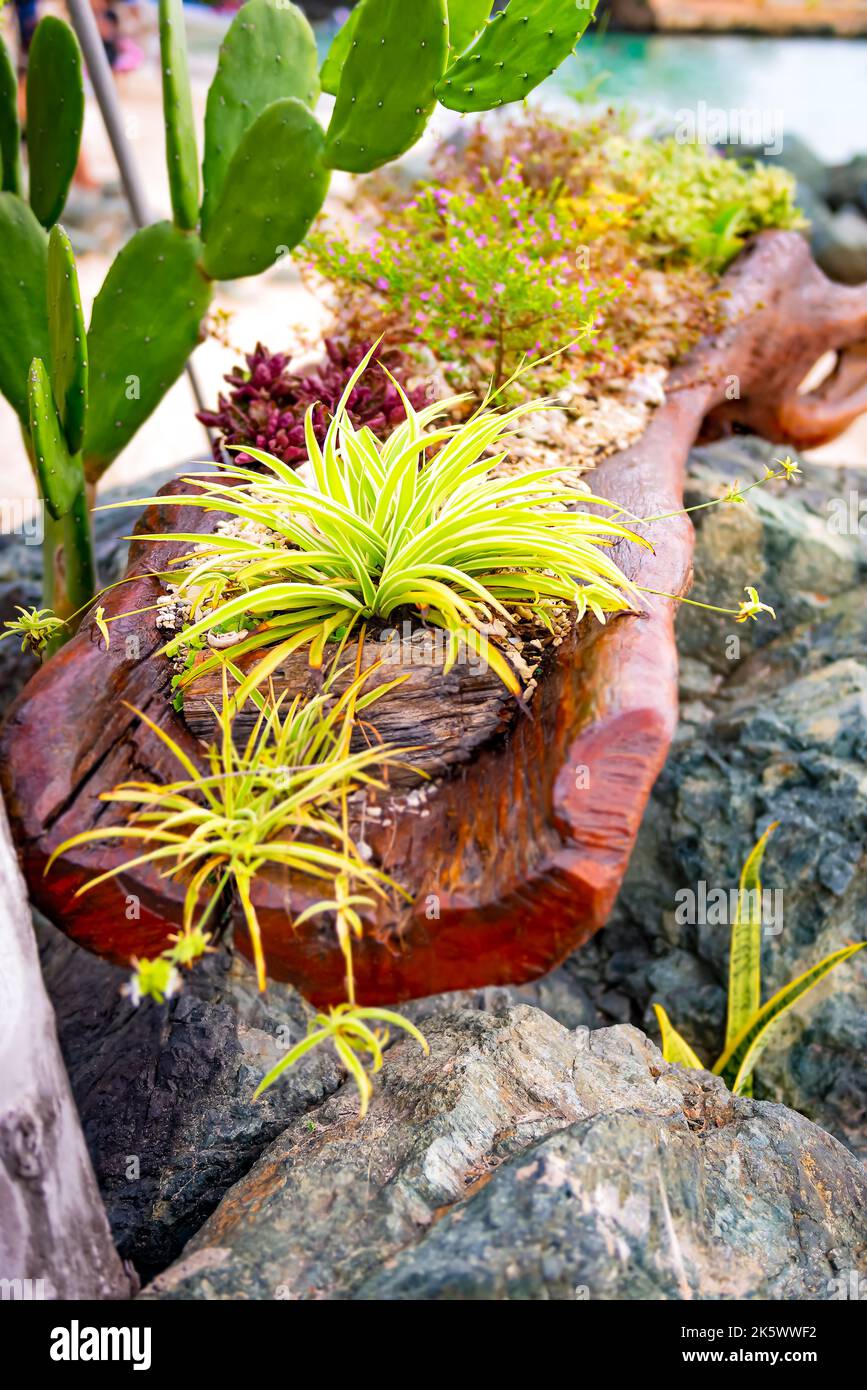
146	321
466	21
674	1047
60	474
269	53
10	133
745	950
182	157
68	339
23	300
275	186
329	73
739	1059
518	48
55	116
386	91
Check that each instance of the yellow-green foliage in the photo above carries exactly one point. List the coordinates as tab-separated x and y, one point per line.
420	521
750	1024
692	206
535	231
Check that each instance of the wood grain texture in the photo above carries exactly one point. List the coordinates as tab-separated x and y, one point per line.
55	1241
523	847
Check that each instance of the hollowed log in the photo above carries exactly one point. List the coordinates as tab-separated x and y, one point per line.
529	829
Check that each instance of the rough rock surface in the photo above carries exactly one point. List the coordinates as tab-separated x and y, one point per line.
524	1161
774	726
164	1093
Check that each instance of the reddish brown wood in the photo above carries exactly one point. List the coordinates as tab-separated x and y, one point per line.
520	859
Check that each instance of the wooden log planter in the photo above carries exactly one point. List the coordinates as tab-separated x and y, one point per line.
521	844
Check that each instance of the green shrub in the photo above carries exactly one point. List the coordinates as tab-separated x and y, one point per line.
694	207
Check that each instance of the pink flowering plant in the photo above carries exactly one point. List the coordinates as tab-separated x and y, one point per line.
482	275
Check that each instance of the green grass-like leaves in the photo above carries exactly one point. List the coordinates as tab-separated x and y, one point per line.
750	1024
419	521
277	801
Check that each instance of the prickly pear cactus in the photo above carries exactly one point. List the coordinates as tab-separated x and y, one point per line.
518	48
182	157
275	185
386	93
10	135
146	321
68	339
329	74
466	21
24	312
268	53
60	476
55	115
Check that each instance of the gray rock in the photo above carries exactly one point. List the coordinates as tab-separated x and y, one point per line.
784	736
839	243
847	183
165	1092
524	1161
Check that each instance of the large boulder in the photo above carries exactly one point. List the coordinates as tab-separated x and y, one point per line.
524	1161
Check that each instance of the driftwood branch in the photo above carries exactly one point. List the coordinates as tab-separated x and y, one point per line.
54	1235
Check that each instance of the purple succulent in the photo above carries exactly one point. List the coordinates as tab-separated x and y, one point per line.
266	405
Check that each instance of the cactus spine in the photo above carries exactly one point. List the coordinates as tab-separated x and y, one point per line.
55	116
386	92
466	21
518	48
182	157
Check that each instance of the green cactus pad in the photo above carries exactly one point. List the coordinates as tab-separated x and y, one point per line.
182	157
386	92
60	475
23	300
146	321
10	134
466	21
68	338
269	52
329	73
55	115
275	186
521	46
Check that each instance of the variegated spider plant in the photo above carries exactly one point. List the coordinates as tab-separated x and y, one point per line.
420	521
282	799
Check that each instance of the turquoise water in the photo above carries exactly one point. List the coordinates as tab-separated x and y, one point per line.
819	86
